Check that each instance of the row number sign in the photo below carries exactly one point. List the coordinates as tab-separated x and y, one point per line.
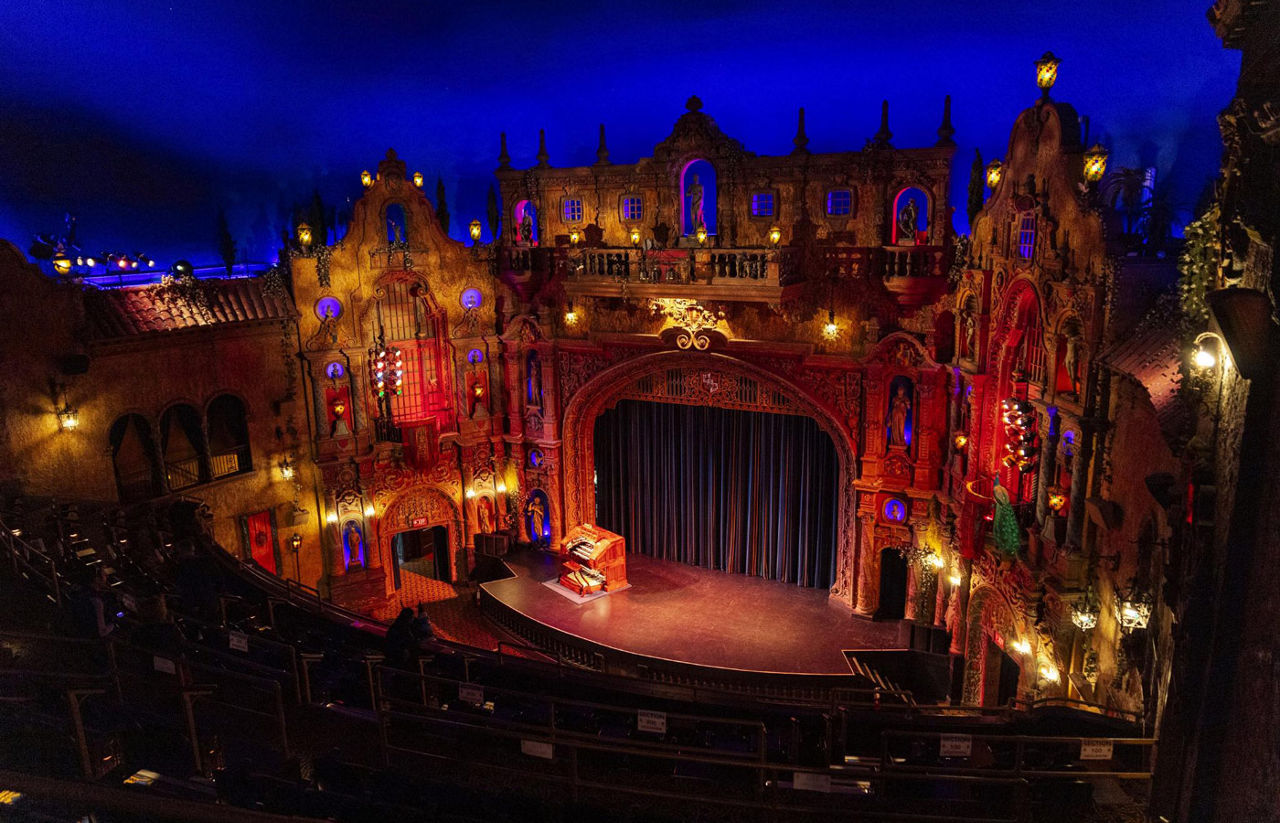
956	745
471	693
651	722
239	641
1096	749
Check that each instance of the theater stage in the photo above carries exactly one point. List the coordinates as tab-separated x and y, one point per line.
674	612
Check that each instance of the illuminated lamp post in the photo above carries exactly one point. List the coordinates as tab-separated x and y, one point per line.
1047	72
635	238
304	235
417	179
1095	163
575	237
295	546
701	235
995	170
775	236
474	229
366	179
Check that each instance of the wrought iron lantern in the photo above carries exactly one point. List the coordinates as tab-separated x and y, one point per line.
1047	71
1095	163
995	170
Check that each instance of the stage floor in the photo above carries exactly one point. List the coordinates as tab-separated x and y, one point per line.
707	618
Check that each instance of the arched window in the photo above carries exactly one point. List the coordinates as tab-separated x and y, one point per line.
228	437
133	456
182	445
1027	235
397	228
698	196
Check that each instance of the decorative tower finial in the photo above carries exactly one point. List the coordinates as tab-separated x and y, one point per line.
504	159
882	138
693	103
542	149
602	151
801	140
946	131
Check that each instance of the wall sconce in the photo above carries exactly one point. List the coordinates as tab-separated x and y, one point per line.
955	578
474	228
1085	613
331	518
635	238
1047	71
470	494
570	316
304	235
1057	499
369	510
1206	354
1095	163
575	237
1049	672
500	486
995	170
1244	316
934	561
961	441
831	330
287	472
68	418
1133	609
366	179
701	235
775	236
417	179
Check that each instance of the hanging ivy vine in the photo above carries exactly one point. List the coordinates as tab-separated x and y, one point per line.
1198	267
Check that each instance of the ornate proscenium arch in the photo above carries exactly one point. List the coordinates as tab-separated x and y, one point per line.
715	373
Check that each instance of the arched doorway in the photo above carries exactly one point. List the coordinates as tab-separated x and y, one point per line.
421	531
710	380
992	670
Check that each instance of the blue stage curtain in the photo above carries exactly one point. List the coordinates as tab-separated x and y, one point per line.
743	492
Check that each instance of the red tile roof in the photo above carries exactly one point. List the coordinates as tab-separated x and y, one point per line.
136	310
1152	355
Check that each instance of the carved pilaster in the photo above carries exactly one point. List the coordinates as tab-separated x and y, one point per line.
868	571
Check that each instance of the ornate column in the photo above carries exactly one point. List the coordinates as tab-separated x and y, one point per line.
1048	463
1079	470
868	570
959	634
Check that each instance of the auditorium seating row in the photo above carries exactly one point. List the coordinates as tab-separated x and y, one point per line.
250	669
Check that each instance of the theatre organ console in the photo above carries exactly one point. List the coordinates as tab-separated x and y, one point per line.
594	560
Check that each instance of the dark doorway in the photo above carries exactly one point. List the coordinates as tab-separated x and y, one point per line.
1009	674
893	585
422	551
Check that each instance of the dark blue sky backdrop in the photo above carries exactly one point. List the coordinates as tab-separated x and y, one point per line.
145	117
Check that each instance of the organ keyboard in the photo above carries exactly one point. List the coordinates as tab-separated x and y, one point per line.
594	560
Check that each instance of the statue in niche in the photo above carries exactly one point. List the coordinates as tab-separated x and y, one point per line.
970	326
339	427
484	516
907	224
526	229
697	213
1071	362
535	380
899	417
537	518
353	541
